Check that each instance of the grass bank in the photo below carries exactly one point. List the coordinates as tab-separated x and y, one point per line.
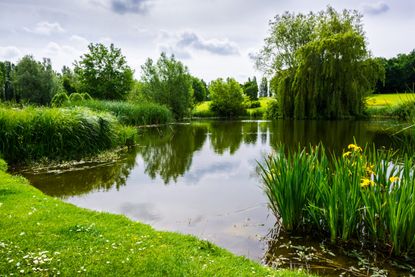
363	195
203	109
398	105
30	133
131	113
42	235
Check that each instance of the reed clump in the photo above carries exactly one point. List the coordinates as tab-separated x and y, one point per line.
31	133
145	113
364	194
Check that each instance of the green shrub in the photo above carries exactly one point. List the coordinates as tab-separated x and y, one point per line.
76	97
86	96
254	104
59	99
227	98
272	111
58	133
3	165
404	111
130	113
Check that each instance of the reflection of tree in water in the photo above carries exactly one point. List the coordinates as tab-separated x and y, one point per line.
78	181
335	135
250	132
226	135
168	151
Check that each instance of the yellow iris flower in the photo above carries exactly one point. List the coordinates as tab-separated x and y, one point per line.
354	147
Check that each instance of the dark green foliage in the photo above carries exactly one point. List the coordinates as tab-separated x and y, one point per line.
104	73
364	194
3	165
199	90
399	74
321	65
227	97
59	99
250	89
86	96
263	87
272	111
34	82
253	104
56	133
169	83
7	92
132	113
68	80
76	97
404	111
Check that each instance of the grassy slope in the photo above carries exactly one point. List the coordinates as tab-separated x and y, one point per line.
202	109
379	100
42	234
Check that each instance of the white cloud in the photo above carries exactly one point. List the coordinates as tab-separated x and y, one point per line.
375	8
45	28
10	53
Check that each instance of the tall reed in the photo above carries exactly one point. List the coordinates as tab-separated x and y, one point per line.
363	194
131	113
56	133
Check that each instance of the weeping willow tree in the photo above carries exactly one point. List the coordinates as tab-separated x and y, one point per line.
320	63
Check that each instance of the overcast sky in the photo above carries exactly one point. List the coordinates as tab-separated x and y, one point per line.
214	38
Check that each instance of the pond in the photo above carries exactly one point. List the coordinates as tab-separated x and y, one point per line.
201	178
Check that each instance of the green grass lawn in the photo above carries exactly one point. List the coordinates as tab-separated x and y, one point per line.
45	236
202	109
389	100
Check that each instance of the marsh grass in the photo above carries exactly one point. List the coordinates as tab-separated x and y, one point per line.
131	113
32	133
364	195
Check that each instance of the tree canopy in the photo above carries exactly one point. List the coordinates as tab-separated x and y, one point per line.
320	63
227	97
168	82
263	87
250	88
34	82
399	74
103	72
199	90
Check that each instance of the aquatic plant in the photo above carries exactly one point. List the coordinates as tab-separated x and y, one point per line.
57	133
363	194
131	113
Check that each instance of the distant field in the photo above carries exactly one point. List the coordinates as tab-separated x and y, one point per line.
382	100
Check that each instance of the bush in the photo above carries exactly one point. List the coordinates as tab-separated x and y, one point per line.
272	111
86	96
58	133
227	98
252	104
3	165
404	111
59	99
76	97
132	114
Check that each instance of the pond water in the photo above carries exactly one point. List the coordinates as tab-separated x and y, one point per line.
201	178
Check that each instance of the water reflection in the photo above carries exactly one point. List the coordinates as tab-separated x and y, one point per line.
200	178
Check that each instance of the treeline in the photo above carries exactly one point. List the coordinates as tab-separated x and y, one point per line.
103	74
399	74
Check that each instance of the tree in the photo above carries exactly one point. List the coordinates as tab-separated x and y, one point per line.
104	73
227	97
34	81
199	90
7	92
263	87
250	88
399	74
168	82
320	63
68	80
